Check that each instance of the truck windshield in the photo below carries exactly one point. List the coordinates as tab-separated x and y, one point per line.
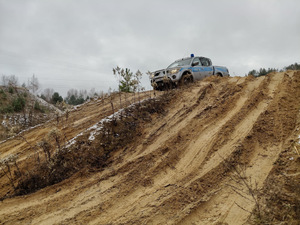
184	62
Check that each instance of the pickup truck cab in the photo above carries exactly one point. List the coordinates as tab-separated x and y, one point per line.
185	70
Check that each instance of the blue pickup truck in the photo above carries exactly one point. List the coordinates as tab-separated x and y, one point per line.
184	71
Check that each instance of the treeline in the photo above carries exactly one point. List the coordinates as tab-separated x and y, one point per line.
12	81
74	96
127	82
263	71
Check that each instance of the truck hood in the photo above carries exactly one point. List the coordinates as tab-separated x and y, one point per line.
159	73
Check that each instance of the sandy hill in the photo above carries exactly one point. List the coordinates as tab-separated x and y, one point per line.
223	151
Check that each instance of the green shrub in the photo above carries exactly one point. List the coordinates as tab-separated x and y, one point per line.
56	98
18	104
8	109
3	94
11	90
38	107
3	97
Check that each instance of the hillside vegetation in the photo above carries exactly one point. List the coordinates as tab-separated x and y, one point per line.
19	110
220	151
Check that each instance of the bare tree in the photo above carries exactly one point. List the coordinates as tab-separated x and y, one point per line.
48	92
72	92
12	80
4	80
92	92
137	84
138	76
83	94
75	97
33	84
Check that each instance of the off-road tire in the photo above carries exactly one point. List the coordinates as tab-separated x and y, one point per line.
186	79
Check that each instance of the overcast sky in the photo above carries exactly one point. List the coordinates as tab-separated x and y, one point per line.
76	43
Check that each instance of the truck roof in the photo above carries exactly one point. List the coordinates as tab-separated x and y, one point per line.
183	59
189	58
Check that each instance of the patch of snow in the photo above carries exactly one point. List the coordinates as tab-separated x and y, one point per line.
75	107
30	128
96	128
73	140
46	104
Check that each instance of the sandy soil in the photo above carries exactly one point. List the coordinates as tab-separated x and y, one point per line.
178	171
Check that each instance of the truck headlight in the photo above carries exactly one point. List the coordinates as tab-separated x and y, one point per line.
174	71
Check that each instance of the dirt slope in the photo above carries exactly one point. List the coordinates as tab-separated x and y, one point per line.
179	171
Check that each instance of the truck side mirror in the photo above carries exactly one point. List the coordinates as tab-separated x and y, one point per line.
195	63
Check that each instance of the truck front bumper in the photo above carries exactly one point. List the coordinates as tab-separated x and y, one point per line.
162	83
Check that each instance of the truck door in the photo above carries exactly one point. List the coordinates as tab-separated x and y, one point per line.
196	68
206	68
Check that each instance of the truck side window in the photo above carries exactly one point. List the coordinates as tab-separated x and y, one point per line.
205	62
195	61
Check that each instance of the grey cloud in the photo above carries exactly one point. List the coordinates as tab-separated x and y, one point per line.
81	41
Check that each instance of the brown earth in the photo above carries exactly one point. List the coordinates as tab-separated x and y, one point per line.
200	163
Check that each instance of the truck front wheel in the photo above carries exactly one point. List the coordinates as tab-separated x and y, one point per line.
186	79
